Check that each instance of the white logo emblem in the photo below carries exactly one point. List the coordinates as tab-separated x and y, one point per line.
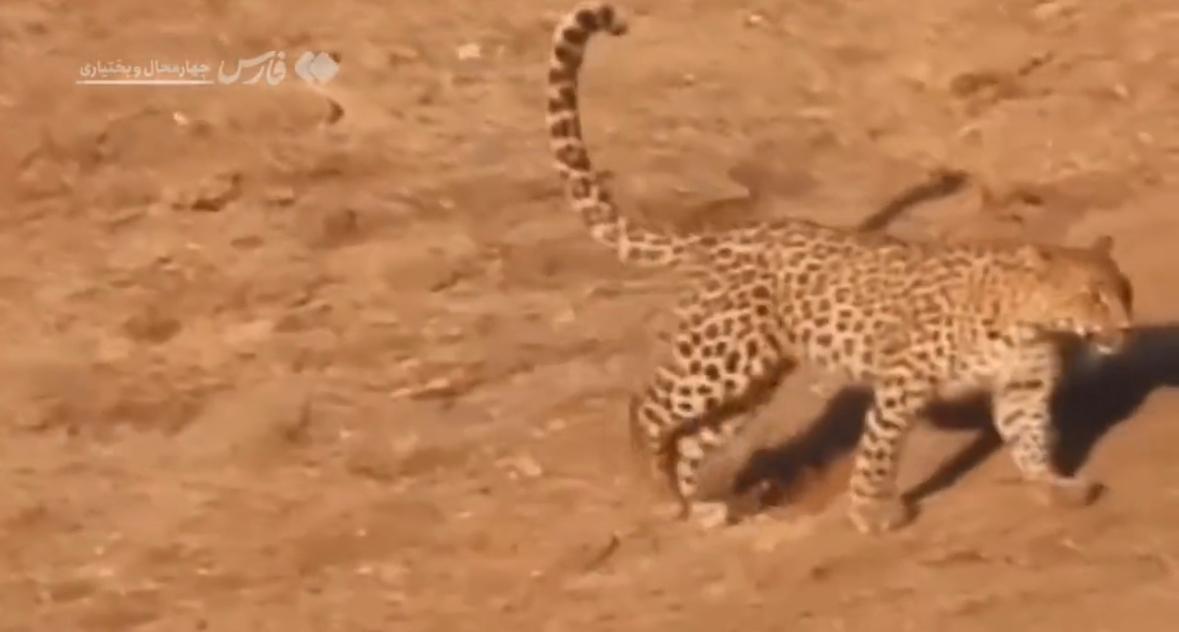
316	68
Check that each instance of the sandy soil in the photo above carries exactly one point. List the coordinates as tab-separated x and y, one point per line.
267	368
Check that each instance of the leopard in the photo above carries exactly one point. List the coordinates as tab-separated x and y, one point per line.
911	318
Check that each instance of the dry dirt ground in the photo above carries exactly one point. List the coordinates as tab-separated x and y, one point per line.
272	368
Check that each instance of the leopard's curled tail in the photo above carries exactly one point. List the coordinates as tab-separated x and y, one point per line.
584	187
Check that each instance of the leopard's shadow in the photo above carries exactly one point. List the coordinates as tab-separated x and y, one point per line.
1090	401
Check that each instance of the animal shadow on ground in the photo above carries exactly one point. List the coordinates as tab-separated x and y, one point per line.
1094	396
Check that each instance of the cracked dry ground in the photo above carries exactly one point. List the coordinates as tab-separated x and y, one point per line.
263	371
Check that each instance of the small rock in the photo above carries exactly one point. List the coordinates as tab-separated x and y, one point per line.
71	589
255	424
406	445
389	573
335	112
443	386
565	316
244	336
372	458
151	326
212	195
966	605
339	227
247	242
716	590
469	51
522	465
112	349
947	557
1053	9
280	196
919	72
125	216
755	20
403	54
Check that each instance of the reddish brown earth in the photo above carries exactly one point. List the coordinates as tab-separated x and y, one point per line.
265	370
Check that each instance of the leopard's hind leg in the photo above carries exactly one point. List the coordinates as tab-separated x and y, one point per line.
722	366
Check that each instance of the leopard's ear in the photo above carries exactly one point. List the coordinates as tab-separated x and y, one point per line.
1102	245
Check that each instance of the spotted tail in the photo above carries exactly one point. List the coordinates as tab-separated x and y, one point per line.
584	186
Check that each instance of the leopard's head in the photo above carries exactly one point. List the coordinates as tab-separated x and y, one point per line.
1080	291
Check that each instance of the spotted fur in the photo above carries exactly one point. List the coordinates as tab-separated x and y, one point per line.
909	318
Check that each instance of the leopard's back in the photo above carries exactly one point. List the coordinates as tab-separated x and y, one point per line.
857	304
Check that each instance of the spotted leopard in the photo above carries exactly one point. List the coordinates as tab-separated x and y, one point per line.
909	318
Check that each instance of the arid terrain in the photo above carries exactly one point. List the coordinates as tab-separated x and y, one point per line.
338	357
